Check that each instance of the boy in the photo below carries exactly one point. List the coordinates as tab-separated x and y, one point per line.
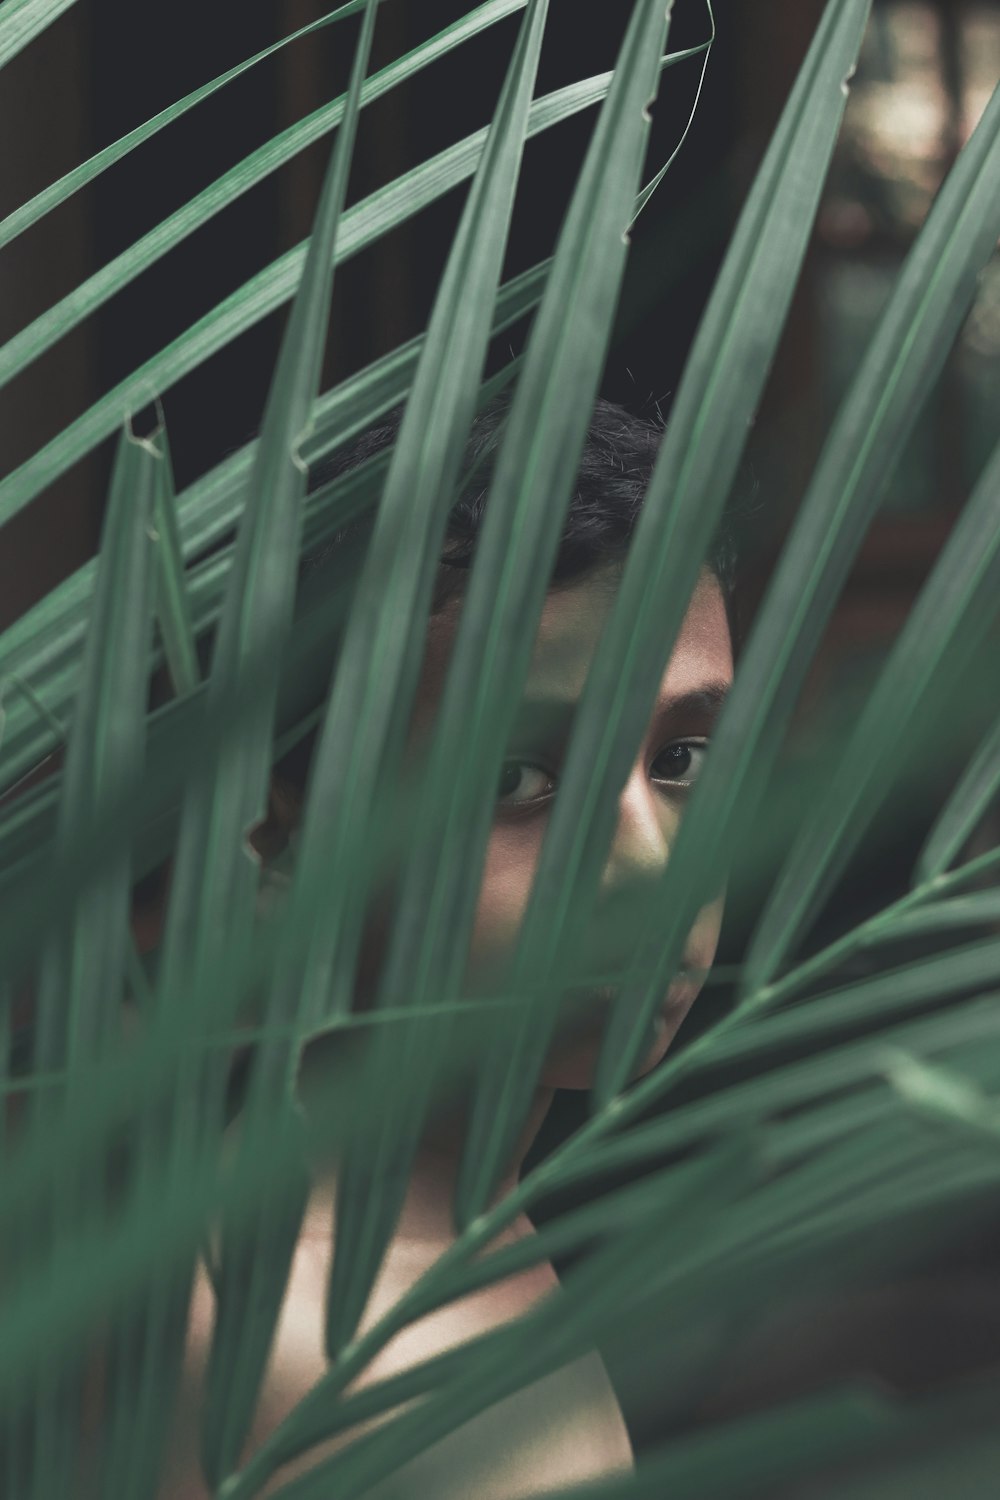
567	1427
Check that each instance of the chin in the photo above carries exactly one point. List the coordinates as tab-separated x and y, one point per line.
573	1061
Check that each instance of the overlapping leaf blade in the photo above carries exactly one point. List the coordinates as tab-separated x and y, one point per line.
85	299
964	1034
945	628
376	673
845	1168
76	1003
81	984
213	889
173	606
898	372
26	822
803	1441
442	859
366	222
539	455
923	316
752	1237
44	202
42	648
966	806
719	392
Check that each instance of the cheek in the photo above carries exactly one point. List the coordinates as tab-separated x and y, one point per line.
704	939
575	1066
700	952
503	895
509	868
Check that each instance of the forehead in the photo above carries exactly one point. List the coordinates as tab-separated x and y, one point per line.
569	630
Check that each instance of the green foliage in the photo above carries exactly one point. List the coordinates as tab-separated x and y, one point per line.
22	20
864	1120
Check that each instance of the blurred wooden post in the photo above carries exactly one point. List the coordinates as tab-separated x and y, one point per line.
43	125
775	40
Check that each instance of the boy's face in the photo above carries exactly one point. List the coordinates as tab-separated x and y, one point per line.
649	807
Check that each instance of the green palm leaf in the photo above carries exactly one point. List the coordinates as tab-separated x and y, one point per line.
719	392
83	965
814	1436
713	1235
81	979
23	20
363	718
963	1035
363	224
222	803
941	636
924	312
31	212
437	907
173	606
43	647
808	1171
966	806
85	299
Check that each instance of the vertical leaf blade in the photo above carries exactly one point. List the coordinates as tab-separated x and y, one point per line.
538	458
376	673
215	881
944	629
81	986
924	312
173	607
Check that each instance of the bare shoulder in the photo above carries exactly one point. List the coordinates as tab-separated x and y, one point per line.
564	1428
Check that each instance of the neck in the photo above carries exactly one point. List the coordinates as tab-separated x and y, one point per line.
426	1217
427	1211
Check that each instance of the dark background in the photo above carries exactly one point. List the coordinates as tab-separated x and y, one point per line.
101	69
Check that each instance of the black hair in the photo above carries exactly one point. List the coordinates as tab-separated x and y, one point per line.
612	478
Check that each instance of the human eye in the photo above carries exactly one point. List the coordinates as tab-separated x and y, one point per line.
522	782
681	762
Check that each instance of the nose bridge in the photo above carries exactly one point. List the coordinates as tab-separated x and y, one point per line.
643	834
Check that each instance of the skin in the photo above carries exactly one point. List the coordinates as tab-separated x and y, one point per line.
650	804
650	807
567	1427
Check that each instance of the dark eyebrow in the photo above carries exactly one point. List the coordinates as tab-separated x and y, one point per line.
707	700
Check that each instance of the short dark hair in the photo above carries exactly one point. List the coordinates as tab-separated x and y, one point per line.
615	468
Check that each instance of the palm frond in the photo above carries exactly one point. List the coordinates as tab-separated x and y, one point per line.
942	635
87	172
905	356
42	649
865	1115
23	20
965	807
377	669
263	294
173	604
221	804
718	394
83	964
